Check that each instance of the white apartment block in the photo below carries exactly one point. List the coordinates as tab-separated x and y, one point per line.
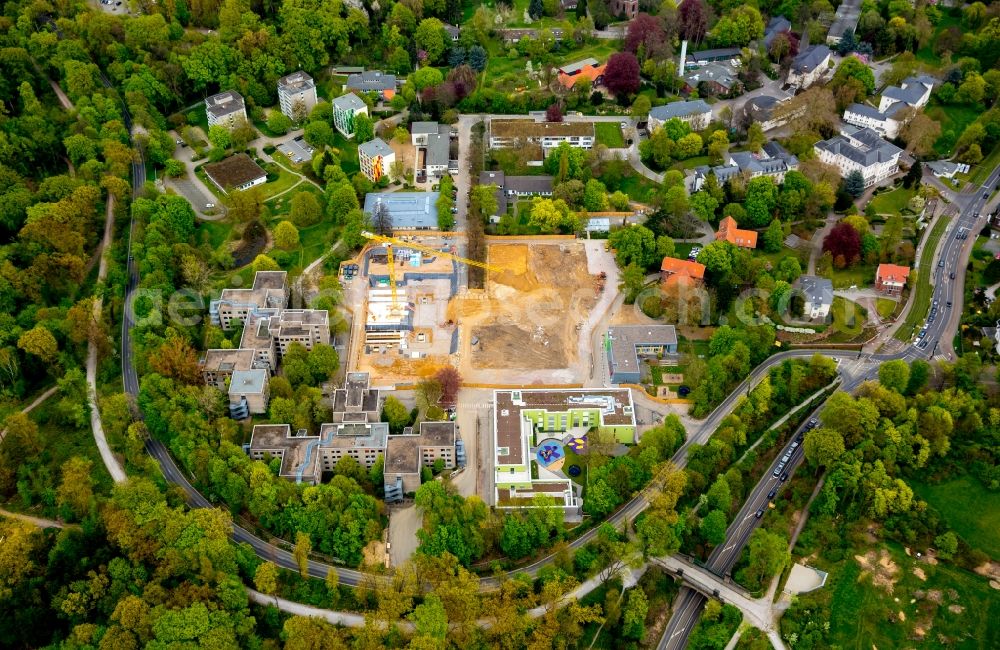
345	109
862	150
225	109
696	113
297	95
914	92
866	117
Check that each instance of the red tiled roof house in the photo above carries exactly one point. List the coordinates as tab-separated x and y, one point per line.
730	232
891	278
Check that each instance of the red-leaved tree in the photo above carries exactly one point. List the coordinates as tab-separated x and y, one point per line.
843	242
450	382
553	113
621	76
693	19
647	31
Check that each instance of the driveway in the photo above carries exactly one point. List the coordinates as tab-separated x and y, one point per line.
404	522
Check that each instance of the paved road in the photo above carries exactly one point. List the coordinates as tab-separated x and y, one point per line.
689	602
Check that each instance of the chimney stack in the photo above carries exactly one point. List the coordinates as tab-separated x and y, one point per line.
683	59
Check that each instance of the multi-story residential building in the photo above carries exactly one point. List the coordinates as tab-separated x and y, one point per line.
894	108
269	291
218	366
914	92
809	66
269	329
862	150
509	187
433	142
374	81
868	117
297	95
225	109
407	454
762	109
817	294
891	278
376	159
356	432
772	160
548	135
629	345
522	419
248	393
345	109
729	231
696	113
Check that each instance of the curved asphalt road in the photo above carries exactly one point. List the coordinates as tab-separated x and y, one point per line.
948	277
352	577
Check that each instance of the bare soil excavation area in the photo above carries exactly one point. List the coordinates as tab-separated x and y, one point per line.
527	319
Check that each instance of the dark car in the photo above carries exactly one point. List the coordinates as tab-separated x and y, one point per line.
986	195
799	438
770	495
949	303
784	477
952	276
759	513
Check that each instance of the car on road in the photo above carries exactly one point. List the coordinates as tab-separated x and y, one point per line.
922	344
799	438
941	264
774	491
784	477
952	276
786	458
948	303
759	513
795	445
813	422
777	471
986	195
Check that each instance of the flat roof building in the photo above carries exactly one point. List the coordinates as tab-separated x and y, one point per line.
514	186
297	95
407	210
408	453
376	158
248	393
523	418
517	132
628	345
345	109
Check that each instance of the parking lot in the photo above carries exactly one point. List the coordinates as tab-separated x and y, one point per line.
117	7
197	197
297	150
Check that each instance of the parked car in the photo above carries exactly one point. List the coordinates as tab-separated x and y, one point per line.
784	477
759	514
774	491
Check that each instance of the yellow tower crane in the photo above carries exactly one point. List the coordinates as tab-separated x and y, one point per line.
389	242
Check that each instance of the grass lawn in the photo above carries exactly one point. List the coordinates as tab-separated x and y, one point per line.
609	134
885	307
954	603
286	180
969	508
573	458
639	188
690	163
214	233
953	119
892	202
924	289
849	320
859	275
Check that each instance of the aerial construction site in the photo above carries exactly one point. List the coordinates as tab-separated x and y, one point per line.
531	324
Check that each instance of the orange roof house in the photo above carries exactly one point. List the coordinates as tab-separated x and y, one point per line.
729	232
891	278
588	68
671	266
